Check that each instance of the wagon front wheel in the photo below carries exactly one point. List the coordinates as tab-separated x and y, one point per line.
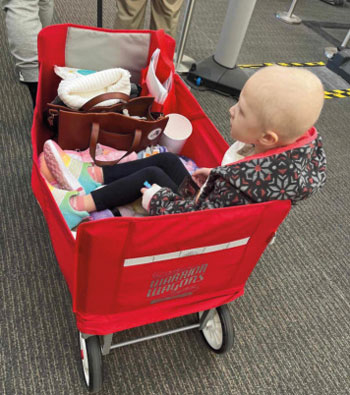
91	360
219	333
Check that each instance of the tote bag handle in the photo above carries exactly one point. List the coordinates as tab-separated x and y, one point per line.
103	97
95	134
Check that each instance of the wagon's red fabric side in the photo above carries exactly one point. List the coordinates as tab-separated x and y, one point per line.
126	272
51	50
131	272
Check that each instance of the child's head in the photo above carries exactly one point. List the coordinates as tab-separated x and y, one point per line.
277	105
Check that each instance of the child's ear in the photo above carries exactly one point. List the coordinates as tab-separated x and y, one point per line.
269	138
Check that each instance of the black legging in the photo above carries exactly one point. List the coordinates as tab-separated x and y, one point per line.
125	180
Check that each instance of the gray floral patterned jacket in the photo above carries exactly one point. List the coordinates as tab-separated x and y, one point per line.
292	172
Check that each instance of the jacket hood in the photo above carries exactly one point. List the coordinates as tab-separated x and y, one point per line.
291	172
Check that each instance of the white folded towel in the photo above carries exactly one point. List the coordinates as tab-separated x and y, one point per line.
75	93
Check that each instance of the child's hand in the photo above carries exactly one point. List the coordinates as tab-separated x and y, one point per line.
148	194
201	175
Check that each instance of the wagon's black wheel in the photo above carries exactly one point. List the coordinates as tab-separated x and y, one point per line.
219	333
91	361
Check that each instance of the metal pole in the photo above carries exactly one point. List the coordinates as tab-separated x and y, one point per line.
220	71
291	9
99	13
184	32
141	339
233	31
289	17
346	40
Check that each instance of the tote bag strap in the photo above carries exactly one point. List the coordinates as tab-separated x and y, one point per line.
103	97
95	133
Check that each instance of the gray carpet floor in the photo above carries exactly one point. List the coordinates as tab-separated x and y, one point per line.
293	323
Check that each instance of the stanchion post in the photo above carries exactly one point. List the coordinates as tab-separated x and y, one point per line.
291	8
219	71
183	38
289	17
99	13
346	40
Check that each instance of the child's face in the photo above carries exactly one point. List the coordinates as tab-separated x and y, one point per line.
245	126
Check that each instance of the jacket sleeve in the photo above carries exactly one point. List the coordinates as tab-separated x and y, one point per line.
217	193
167	202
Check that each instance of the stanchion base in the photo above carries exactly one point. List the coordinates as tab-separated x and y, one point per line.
330	52
214	76
291	19
340	64
185	65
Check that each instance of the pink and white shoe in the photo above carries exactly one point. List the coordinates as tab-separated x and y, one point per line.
56	161
45	172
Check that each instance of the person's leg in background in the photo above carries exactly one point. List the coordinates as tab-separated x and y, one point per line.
165	15
130	14
24	20
46	12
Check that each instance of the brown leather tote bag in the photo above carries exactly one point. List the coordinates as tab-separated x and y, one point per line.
52	114
84	130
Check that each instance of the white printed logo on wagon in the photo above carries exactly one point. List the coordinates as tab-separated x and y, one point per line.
176	283
153	134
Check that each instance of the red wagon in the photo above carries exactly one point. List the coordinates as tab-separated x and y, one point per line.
125	272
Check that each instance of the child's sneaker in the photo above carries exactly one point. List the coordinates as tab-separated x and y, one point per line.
62	198
45	172
69	173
